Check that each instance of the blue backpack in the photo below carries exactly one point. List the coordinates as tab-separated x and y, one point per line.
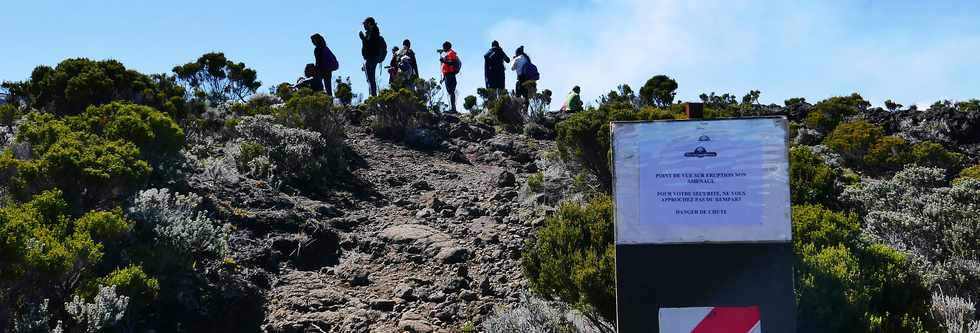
531	71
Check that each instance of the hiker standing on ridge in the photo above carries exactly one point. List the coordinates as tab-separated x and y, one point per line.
527	76
450	67
521	60
374	50
493	67
326	63
573	103
393	67
407	52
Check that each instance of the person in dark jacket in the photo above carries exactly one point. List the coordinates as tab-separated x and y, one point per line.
407	51
310	79
372	49
325	61
493	66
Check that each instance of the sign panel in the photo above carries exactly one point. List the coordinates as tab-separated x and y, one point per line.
711	320
701	181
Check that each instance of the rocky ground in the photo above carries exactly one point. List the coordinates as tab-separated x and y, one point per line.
418	240
422	239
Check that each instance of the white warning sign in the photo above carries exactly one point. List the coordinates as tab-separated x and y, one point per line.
701	181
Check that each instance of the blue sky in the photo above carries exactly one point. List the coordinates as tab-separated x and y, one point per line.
914	52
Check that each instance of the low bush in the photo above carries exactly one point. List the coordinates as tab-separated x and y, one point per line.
469	103
972	172
92	171
8	114
934	155
507	111
303	159
811	180
828	113
97	157
584	137
315	112
954	314
394	113
105	310
152	131
179	224
343	92
845	284
533	314
937	225
853	140
889	154
42	246
573	257
535	182
75	84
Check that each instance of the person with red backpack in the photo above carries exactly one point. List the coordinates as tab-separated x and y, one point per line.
326	63
374	50
450	67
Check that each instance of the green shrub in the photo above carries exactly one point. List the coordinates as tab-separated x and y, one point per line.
853	140
152	131
469	103
75	84
42	246
130	281
8	114
972	172
890	153
584	137
394	113
573	257
313	111
344	93
251	150
535	182
811	180
828	113
97	157
507	112
845	284
931	154
94	172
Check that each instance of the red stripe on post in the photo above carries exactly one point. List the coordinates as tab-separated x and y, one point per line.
729	320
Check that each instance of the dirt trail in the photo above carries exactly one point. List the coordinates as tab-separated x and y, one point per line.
435	244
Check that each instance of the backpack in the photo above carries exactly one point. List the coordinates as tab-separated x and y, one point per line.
331	59
382	49
531	71
458	65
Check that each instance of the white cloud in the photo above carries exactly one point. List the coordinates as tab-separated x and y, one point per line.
785	50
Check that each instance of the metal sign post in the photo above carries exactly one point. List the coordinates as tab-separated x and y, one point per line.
703	233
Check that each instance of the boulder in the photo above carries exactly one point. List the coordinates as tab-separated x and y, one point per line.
506	179
452	255
415	323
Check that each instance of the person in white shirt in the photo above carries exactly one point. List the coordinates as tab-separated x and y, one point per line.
521	60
